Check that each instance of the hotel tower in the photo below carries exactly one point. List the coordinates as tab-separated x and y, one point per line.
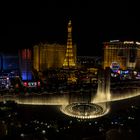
125	54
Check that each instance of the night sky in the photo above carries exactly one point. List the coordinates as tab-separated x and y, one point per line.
94	21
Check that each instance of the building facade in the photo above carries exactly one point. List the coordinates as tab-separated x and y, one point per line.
47	56
25	64
9	62
123	55
88	61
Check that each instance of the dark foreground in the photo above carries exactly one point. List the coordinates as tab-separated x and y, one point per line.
23	122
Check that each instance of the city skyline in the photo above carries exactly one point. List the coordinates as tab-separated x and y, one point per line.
93	23
50	89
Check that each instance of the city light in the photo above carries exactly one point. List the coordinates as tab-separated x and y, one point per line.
128	42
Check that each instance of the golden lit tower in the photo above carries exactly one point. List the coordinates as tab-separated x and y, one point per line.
69	61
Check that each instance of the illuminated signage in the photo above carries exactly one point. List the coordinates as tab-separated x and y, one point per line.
128	42
138	43
31	84
114	40
115	66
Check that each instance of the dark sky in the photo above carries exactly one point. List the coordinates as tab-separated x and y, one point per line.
24	24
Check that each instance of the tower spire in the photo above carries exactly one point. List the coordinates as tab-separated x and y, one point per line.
69	58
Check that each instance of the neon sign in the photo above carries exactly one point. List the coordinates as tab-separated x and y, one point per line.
114	66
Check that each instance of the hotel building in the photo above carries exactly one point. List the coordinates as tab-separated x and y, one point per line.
25	64
47	56
122	54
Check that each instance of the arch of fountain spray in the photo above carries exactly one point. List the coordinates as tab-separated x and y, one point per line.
97	106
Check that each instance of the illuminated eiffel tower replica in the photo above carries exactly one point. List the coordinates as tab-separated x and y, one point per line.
69	61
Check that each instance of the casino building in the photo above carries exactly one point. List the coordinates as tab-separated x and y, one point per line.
25	64
125	54
54	55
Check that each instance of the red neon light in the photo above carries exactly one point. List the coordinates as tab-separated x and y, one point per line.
38	83
25	84
28	54
24	54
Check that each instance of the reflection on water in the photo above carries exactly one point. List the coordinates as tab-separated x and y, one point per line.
101	98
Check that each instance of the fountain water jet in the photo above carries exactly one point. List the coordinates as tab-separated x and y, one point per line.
97	107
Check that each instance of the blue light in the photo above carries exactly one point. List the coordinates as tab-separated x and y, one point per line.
26	75
126	72
29	76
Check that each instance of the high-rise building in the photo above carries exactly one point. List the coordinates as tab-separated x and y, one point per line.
70	58
54	55
123	55
25	64
47	56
